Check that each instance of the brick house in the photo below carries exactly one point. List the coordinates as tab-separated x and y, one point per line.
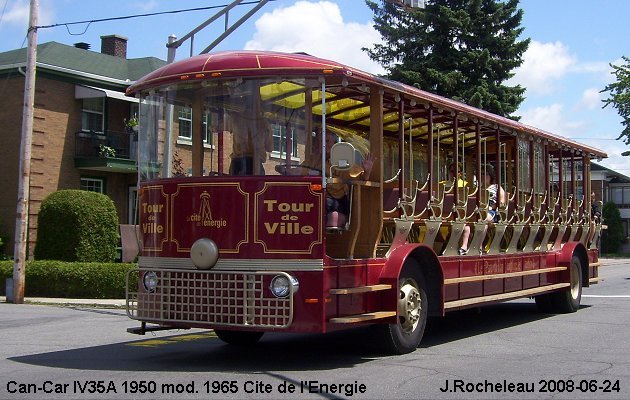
80	139
610	185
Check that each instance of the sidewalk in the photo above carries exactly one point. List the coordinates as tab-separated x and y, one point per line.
103	303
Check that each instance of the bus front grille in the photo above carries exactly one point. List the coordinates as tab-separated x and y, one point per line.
217	298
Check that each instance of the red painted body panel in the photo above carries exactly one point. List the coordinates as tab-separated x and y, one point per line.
247	218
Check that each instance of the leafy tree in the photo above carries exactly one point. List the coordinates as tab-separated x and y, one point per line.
613	236
461	49
620	98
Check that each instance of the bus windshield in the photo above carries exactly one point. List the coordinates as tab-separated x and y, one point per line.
247	127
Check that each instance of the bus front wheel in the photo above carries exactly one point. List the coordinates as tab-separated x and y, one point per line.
238	338
405	335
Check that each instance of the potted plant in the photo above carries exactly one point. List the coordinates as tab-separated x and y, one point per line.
131	124
106	151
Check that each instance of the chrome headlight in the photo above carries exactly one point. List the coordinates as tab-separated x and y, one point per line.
150	281
281	285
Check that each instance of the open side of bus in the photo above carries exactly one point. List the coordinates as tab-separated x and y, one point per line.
237	184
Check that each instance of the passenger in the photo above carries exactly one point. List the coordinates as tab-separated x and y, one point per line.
312	164
461	183
337	201
251	141
494	189
595	218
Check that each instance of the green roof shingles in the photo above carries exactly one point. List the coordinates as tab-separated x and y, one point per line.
86	61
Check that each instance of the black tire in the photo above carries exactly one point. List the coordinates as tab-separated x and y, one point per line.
413	306
568	301
239	338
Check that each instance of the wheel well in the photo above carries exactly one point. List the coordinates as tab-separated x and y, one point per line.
430	268
580	252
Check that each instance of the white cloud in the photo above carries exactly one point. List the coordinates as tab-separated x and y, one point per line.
18	12
551	119
543	64
613	148
145	6
591	99
316	28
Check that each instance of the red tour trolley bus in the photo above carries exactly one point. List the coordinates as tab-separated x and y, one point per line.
259	211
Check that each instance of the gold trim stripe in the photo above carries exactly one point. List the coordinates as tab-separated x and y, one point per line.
350	319
361	289
452	281
504	296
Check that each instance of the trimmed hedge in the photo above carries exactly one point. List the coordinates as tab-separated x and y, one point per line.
77	225
71	280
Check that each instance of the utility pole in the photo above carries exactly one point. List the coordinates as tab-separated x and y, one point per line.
21	223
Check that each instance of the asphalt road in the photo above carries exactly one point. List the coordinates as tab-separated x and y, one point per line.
504	351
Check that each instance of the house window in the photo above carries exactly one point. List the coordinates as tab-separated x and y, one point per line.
92	185
620	196
185	125
279	142
92	114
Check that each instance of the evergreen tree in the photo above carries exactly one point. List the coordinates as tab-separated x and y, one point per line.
461	49
620	97
613	236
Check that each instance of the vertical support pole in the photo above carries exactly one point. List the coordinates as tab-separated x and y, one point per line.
401	151
323	95
517	171
573	193
22	220
547	163
560	176
456	157
497	171
532	161
167	164
478	160
197	137
430	149
586	187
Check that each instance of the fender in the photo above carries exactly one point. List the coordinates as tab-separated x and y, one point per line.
430	267
566	254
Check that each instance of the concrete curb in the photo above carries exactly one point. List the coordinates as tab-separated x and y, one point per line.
103	303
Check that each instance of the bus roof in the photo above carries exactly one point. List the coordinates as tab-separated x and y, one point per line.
232	64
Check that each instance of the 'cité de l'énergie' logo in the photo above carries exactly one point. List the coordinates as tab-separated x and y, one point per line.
204	217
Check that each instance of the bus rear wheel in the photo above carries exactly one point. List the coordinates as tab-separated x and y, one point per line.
238	338
567	301
405	335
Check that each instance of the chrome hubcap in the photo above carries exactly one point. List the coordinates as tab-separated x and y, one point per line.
409	305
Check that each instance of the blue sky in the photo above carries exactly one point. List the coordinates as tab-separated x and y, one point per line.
567	64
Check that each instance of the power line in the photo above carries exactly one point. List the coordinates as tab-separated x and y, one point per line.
89	22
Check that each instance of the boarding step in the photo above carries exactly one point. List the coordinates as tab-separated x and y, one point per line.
361	289
351	319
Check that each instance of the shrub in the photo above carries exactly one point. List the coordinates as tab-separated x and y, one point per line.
613	236
71	280
77	225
